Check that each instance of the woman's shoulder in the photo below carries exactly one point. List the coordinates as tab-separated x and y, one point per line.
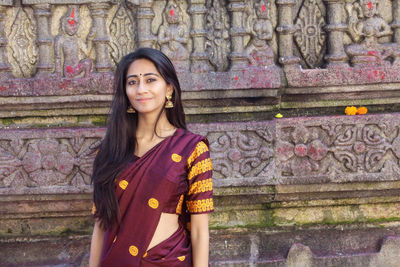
194	137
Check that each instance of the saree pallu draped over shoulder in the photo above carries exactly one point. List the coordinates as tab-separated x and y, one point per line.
142	191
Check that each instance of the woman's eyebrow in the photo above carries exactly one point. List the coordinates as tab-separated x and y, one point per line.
146	74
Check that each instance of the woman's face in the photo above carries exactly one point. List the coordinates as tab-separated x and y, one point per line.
145	87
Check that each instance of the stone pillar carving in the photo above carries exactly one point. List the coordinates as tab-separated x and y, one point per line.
335	29
4	66
286	30
198	33
237	56
396	21
144	17
101	41
44	41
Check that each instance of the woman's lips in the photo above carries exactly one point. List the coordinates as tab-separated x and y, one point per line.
142	99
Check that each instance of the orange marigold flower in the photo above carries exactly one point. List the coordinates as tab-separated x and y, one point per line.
350	110
362	110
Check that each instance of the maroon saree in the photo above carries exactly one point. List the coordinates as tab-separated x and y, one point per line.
144	190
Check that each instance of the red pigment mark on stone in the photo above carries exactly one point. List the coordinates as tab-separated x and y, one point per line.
369	5
383	75
375	72
69	69
171	12
360	71
371	53
263	8
3	88
71	21
236	78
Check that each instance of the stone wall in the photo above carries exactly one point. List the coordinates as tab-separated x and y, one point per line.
303	190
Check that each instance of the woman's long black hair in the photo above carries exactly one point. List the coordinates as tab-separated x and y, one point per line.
117	148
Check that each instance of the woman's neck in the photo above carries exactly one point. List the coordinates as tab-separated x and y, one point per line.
146	123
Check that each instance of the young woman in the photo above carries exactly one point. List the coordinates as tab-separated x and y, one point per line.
152	178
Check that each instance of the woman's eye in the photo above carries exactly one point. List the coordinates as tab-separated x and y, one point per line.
131	82
149	80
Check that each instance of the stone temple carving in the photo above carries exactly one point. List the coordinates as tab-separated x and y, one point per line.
122	33
258	51
67	47
311	37
173	35
366	26
23	52
217	26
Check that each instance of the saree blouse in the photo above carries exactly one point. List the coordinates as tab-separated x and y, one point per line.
195	187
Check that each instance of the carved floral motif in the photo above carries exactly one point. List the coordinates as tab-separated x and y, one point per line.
46	162
22	49
242	154
122	33
344	151
311	37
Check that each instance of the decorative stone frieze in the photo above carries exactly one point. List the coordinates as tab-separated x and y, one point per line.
335	30
311	37
144	17
99	12
199	56
122	29
44	41
173	35
237	32
4	66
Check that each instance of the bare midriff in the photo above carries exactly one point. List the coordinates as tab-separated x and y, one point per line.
167	225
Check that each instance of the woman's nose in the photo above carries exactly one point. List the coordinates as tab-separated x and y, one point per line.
141	88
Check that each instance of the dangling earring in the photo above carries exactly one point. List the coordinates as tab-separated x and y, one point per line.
130	109
169	103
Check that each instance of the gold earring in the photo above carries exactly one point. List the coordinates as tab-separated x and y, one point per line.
130	109
169	103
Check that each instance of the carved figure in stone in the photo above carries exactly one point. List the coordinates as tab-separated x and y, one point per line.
67	47
173	36
217	27
366	26
258	51
23	52
311	37
122	37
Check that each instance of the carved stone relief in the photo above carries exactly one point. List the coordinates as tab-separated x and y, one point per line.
20	31
258	51
311	37
173	35
46	162
122	30
67	45
217	27
366	27
338	152
242	153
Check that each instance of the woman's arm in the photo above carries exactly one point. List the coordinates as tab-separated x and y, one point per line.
200	239
96	245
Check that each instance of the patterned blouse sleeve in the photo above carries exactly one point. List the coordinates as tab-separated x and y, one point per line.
199	198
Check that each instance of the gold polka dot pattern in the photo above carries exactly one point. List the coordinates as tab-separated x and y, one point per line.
153	203
177	158
181	258
123	184
133	250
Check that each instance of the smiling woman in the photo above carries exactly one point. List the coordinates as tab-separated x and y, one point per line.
152	178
